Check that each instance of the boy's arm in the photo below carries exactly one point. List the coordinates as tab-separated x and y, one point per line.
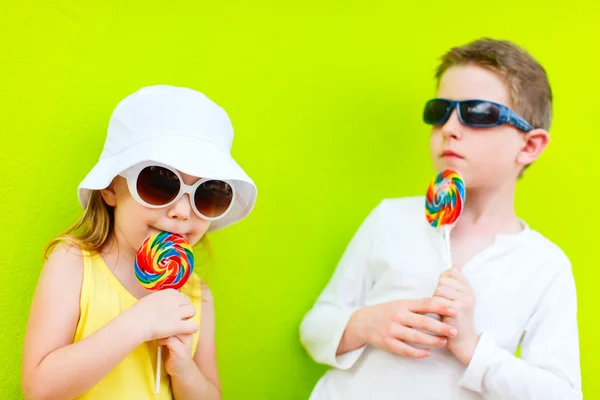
549	365
323	327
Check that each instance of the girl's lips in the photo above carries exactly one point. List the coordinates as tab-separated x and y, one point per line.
450	154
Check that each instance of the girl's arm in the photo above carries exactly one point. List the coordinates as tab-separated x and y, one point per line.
201	380
53	366
56	368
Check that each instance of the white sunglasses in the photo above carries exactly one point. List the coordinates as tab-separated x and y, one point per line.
156	185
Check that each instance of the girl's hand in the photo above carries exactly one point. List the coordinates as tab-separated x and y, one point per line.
177	353
163	314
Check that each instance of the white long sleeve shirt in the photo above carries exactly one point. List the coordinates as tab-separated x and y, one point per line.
525	292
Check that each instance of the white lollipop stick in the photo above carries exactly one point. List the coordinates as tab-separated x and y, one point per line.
158	365
446	237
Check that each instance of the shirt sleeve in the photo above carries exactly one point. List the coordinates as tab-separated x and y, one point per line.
549	365
323	326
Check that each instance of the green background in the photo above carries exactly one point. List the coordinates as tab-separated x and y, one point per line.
326	99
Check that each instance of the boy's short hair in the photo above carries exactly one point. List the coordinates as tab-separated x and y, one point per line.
526	80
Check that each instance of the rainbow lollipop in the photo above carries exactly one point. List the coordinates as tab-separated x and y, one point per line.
165	260
444	203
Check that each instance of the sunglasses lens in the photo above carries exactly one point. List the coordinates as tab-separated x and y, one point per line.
213	198
478	113
436	111
157	185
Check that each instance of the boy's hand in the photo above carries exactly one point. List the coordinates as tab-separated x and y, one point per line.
454	286
178	355
389	326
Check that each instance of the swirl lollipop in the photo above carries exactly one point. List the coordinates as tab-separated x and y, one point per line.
444	203
165	260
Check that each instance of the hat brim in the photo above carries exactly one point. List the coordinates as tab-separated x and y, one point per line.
189	155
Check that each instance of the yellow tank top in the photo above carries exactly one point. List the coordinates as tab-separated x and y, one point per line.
103	297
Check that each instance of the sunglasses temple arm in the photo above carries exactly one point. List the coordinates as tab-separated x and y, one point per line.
512	118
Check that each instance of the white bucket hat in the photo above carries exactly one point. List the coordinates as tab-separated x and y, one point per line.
179	127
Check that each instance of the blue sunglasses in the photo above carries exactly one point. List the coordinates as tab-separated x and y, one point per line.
474	113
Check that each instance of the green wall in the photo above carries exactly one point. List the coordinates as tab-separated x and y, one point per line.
326	99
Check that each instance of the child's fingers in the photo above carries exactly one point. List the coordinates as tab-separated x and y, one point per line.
429	324
443	307
172	343
427	305
187	326
411	335
447	292
185	338
180	338
455	284
187	311
399	347
456	273
445	274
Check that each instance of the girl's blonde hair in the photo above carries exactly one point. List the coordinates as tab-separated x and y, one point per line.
91	231
95	226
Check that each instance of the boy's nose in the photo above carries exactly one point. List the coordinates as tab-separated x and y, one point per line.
453	127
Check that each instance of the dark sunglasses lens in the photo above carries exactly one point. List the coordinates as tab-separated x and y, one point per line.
213	198
477	113
436	111
157	185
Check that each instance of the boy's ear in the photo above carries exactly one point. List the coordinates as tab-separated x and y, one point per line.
109	195
534	144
